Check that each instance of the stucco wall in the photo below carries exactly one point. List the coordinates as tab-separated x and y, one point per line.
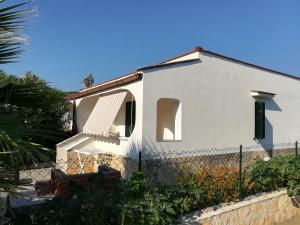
84	108
217	109
124	146
193	55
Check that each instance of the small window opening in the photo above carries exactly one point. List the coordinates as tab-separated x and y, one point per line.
129	118
259	120
168	126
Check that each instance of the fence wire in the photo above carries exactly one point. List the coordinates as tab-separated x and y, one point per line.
225	165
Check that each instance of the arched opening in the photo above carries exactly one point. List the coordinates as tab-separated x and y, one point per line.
124	122
168	123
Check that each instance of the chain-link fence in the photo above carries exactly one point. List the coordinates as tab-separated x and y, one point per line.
216	168
213	168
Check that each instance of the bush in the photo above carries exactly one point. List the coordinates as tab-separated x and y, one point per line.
280	172
135	201
219	182
268	176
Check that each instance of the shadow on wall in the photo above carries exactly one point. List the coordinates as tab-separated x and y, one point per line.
133	149
271	105
268	142
109	140
84	110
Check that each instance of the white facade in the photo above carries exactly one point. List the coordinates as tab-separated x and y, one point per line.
212	107
217	106
115	145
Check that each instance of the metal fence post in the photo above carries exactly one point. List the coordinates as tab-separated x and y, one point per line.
296	149
241	172
140	162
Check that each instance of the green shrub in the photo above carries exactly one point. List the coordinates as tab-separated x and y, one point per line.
280	172
135	201
144	203
268	176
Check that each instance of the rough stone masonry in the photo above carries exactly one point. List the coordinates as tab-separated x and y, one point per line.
267	209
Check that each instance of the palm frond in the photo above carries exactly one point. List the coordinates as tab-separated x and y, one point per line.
17	152
11	24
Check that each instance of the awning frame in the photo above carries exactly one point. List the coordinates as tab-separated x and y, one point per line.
104	113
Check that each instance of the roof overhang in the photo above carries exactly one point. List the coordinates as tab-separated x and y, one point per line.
118	82
261	94
184	58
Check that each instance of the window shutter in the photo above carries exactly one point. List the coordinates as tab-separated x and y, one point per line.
129	118
259	120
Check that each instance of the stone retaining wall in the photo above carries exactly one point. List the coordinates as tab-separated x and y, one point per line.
268	209
169	168
91	163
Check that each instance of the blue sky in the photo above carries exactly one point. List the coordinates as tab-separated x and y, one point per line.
70	39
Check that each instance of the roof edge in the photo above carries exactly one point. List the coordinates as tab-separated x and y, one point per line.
197	49
251	65
137	74
167	64
202	50
117	82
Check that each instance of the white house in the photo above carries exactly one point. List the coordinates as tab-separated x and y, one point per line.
197	100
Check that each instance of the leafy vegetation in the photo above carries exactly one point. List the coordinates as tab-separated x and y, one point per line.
30	110
219	182
30	123
280	172
37	107
12	19
137	201
14	148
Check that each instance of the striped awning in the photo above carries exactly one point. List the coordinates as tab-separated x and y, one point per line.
104	114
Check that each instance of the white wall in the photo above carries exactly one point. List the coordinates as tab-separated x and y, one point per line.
217	109
168	122
84	108
119	123
124	146
194	55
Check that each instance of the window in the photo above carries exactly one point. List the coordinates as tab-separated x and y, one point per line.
259	120
168	124
129	118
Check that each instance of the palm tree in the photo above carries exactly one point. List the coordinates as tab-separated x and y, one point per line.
16	149
11	27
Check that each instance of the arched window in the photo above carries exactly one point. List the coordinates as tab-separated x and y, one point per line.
168	123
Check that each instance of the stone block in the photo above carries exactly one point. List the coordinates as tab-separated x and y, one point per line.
269	220
281	202
224	218
206	222
256	208
244	212
278	218
247	220
273	207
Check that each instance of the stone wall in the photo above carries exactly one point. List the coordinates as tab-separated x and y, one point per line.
166	168
173	166
267	209
91	163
